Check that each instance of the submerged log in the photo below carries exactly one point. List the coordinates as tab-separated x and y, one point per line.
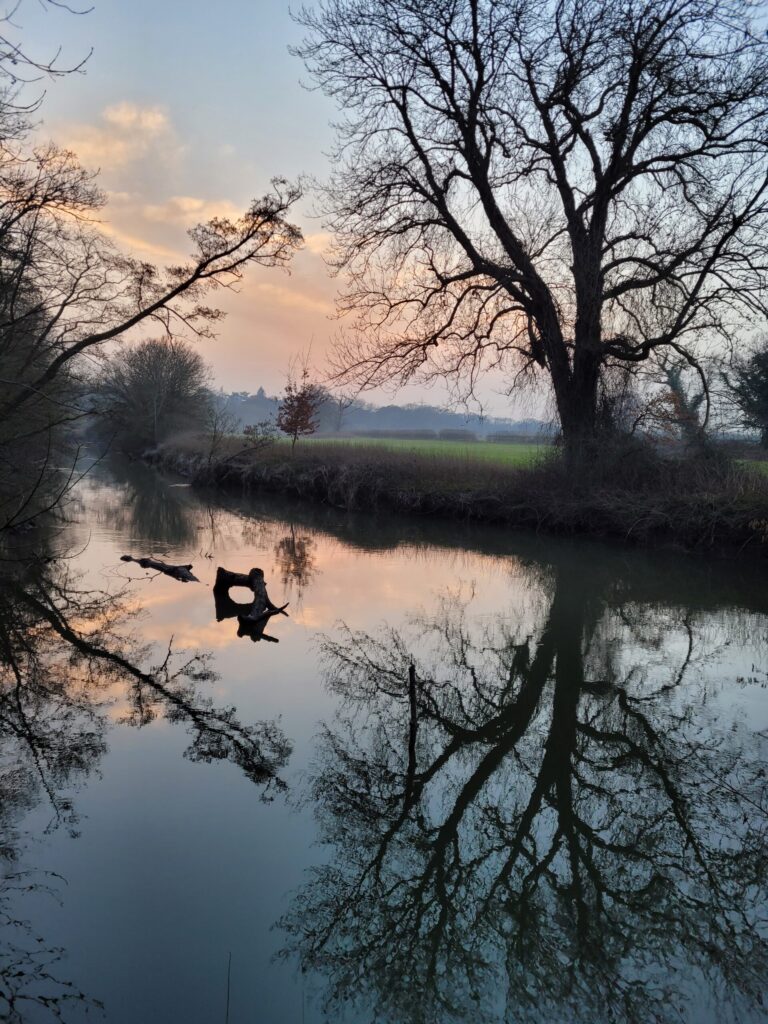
253	616
176	572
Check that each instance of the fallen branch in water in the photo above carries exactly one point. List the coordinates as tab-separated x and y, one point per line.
176	572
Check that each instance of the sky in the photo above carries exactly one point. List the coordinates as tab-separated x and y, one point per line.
189	109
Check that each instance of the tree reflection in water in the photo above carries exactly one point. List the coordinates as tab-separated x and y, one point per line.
295	560
574	839
143	505
65	657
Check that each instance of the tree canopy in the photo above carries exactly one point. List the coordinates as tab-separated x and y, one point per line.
297	415
748	384
153	388
543	185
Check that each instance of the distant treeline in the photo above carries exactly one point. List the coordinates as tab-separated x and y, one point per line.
419	422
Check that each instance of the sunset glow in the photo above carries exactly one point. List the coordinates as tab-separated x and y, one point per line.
187	113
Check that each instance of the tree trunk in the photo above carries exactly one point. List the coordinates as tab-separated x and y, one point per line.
577	395
576	398
252	617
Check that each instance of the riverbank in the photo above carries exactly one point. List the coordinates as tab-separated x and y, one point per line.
636	496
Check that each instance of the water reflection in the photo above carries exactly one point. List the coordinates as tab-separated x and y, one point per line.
202	523
67	660
141	504
551	828
554	830
296	560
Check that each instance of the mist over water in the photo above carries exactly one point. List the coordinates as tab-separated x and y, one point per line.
561	817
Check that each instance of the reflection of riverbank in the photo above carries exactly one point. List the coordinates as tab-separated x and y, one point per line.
206	523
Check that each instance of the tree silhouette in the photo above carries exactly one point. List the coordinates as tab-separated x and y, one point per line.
550	187
748	384
152	388
67	293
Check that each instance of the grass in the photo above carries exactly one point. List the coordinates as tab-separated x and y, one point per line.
516	455
411	467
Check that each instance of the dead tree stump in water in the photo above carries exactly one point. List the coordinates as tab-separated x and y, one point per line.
176	572
252	617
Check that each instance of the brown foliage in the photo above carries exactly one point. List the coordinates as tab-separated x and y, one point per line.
298	413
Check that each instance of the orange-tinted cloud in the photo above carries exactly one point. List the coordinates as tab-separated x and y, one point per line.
156	194
124	134
185	211
274	315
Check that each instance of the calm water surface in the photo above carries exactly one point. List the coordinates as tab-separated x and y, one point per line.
562	818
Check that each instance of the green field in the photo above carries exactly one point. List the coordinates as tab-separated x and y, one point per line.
478	451
471	453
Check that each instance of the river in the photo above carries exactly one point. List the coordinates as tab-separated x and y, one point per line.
558	816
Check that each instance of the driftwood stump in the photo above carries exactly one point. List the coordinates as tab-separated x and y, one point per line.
176	572
252	617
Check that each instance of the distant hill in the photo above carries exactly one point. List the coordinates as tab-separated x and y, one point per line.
362	417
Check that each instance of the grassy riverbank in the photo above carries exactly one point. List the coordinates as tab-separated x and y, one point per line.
633	494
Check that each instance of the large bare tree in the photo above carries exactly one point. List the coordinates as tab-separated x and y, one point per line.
553	185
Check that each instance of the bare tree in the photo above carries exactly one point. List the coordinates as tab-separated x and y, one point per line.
545	185
220	424
342	402
80	292
66	291
21	67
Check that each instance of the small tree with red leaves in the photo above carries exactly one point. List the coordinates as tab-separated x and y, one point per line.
298	413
